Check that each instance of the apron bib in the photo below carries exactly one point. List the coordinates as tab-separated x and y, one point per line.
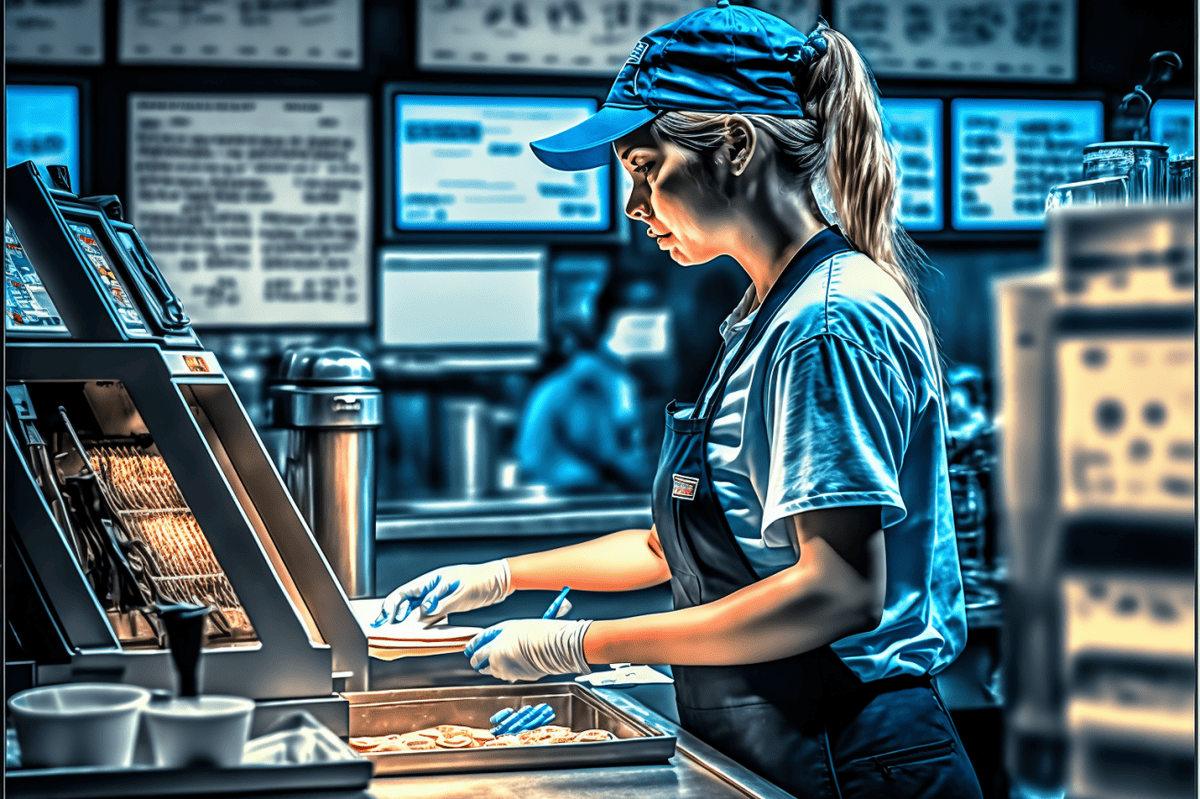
796	721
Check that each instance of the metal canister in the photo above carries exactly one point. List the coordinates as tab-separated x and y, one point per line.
469	447
1181	177
331	413
1143	164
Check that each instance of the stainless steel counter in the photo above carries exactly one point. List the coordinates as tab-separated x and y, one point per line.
696	770
521	516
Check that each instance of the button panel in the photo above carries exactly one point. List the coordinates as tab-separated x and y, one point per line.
1125	423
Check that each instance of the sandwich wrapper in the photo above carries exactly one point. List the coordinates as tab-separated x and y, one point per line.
411	637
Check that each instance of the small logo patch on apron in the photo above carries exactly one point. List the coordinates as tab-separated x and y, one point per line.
684	487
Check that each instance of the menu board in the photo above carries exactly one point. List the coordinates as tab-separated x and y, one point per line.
42	125
1030	40
566	37
915	128
1173	123
1007	154
464	163
256	208
27	306
118	294
54	31
292	33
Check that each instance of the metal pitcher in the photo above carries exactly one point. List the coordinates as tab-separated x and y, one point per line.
331	414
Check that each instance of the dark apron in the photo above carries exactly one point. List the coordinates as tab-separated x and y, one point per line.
807	723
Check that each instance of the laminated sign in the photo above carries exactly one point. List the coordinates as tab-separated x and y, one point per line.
255	207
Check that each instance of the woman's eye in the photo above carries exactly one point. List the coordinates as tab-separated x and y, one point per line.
643	168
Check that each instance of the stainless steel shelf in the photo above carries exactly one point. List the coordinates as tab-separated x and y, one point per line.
516	517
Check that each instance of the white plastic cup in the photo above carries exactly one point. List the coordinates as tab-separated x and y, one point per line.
199	730
80	724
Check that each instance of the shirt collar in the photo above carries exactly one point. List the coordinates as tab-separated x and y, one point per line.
741	315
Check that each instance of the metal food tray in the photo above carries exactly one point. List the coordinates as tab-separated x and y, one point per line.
575	706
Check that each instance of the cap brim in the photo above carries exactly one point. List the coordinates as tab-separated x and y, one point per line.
588	144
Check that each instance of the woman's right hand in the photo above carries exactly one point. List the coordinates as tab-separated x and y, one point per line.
451	589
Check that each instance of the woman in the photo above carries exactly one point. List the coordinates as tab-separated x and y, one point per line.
801	507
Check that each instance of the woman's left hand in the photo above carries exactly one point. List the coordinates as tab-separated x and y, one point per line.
529	649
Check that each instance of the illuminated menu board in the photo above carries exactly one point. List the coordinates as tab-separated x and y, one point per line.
118	295
1173	123
1007	154
915	126
42	125
464	163
27	306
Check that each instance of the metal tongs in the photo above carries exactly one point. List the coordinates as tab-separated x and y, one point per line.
123	569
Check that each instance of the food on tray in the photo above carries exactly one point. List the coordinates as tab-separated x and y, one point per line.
507	740
453	736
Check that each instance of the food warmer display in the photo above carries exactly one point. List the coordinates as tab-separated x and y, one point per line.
135	479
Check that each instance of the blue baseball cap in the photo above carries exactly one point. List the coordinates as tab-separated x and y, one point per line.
725	59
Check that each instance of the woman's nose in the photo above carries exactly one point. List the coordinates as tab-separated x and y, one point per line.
637	207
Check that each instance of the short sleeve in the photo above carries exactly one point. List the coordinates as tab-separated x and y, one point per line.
837	423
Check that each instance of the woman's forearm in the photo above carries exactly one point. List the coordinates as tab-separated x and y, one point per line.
815	602
623	561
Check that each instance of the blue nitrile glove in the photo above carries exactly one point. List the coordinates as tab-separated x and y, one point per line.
451	589
529	649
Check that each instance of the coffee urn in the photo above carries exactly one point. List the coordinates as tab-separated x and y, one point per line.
331	412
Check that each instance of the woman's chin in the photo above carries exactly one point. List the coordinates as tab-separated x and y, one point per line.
680	258
684	259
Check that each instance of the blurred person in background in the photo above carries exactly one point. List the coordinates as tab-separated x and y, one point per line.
802	509
581	429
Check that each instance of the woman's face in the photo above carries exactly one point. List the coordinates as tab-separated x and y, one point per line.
675	196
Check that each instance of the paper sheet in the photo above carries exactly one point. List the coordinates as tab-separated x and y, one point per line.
410	633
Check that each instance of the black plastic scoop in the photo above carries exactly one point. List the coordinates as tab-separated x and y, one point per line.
185	633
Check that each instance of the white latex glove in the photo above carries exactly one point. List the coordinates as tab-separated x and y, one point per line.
451	589
529	649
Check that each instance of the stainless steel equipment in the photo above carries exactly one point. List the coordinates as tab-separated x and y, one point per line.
1181	178
1098	400
331	414
575	706
135	476
1141	164
469	446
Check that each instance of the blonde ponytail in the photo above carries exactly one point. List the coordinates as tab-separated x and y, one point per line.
860	165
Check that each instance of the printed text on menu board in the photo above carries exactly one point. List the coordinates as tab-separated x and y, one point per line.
977	39
44	32
279	33
255	208
1010	153
571	37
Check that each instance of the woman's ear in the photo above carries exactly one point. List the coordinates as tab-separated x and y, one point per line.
740	141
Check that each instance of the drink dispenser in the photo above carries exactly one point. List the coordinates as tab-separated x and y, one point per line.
331	412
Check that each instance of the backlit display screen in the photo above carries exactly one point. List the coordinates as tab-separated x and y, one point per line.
915	128
43	127
463	163
1173	123
1007	154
